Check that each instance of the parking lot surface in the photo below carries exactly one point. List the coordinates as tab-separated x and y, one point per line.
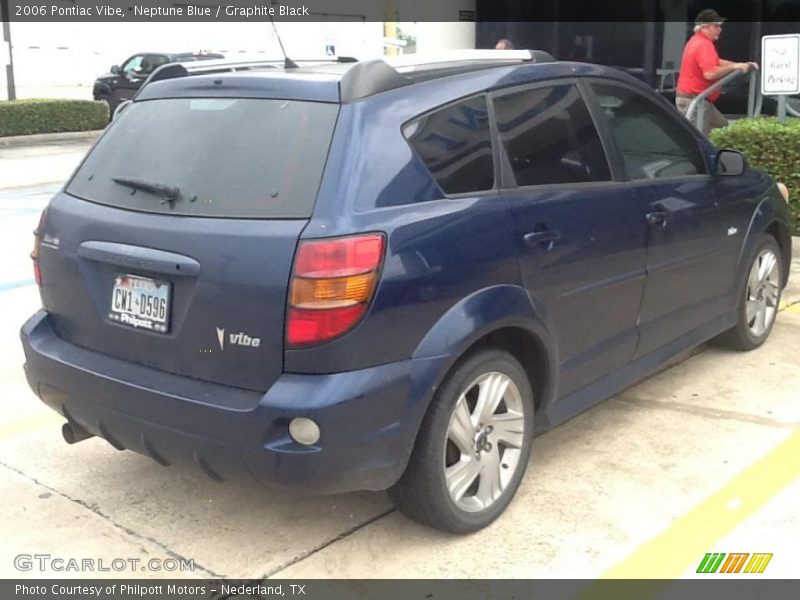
703	457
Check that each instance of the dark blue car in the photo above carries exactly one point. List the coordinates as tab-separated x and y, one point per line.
358	277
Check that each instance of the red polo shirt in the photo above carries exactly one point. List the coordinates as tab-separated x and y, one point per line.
698	56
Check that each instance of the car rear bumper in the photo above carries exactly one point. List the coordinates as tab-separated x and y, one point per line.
368	418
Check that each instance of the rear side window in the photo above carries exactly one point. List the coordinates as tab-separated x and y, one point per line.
455	144
653	143
549	136
226	157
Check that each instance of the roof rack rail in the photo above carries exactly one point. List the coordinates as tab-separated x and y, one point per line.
205	67
461	57
375	76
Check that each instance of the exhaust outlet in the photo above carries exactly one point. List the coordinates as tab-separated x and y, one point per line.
74	433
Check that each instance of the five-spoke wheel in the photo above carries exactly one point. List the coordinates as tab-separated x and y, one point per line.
763	293
759	299
484	441
473	445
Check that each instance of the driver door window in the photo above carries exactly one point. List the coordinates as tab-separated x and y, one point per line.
653	144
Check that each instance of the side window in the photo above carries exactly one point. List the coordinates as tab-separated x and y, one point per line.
132	64
549	136
151	62
455	144
653	143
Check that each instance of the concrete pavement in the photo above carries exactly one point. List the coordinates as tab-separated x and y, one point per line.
700	458
66	137
40	163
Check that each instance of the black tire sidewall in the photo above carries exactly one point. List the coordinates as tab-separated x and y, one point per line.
111	106
467	372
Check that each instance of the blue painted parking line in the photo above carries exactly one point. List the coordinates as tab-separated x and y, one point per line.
13	285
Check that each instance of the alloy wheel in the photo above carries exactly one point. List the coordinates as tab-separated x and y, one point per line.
763	291
484	441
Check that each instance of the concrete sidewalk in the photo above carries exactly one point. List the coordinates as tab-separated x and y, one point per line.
43	161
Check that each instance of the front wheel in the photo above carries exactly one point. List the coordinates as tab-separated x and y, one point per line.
759	300
473	446
111	106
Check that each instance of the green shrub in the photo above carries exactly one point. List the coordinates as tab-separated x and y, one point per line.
22	117
768	145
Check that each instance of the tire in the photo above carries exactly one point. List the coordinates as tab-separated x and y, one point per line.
445	455
110	106
759	298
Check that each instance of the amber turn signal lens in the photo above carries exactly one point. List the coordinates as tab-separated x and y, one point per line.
332	292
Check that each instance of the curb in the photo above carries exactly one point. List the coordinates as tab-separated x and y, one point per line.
18	141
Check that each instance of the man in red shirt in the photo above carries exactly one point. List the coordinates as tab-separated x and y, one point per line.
701	66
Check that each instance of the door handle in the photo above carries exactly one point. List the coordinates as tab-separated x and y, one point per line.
547	236
658	217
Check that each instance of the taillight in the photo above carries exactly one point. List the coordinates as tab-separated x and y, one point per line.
332	284
37	237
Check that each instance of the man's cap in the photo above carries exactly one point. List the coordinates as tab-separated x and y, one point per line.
708	17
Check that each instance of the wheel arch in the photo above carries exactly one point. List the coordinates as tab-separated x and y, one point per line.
503	317
101	90
768	219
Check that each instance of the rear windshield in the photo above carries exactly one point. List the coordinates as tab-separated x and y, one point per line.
215	157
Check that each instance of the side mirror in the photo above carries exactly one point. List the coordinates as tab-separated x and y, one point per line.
731	163
115	69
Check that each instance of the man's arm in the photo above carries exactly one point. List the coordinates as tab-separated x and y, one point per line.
725	67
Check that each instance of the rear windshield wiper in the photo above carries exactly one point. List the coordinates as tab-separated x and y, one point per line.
170	192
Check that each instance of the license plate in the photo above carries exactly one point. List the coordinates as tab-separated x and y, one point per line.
140	302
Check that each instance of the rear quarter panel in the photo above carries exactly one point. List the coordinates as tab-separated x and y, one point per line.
439	250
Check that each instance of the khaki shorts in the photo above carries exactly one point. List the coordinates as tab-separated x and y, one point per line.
712	118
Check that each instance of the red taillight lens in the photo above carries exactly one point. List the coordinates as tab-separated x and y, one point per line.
37	237
332	284
339	258
314	326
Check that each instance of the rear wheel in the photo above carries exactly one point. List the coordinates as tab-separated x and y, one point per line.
472	448
759	300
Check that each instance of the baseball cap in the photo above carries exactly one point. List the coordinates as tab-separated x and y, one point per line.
708	17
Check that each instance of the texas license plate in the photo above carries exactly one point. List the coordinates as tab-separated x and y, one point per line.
140	302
